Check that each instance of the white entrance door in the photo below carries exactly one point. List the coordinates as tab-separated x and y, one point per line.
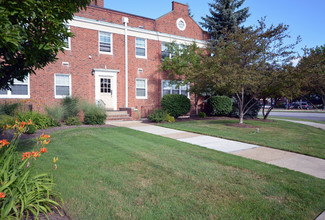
106	92
105	88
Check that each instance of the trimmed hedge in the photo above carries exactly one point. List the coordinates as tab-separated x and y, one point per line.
158	115
219	105
176	105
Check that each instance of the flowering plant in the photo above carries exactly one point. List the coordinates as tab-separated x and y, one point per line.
22	192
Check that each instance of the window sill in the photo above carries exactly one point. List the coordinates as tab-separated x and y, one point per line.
14	96
106	53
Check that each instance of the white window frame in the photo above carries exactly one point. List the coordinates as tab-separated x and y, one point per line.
173	87
69	40
16	82
163	44
104	52
145	48
146	88
70	89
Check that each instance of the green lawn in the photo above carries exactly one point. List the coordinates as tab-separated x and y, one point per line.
119	173
276	134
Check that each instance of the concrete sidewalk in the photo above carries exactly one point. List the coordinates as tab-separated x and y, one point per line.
309	123
298	162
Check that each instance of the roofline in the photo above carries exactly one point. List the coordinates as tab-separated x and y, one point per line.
107	9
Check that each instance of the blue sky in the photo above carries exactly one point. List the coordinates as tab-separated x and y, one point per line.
305	18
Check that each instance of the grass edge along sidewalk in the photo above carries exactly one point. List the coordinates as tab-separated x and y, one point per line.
121	173
276	134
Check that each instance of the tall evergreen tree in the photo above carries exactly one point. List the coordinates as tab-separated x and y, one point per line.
224	15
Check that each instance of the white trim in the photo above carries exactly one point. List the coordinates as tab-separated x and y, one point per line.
106	73
145	48
9	96
104	26
69	40
70	89
145	87
103	52
178	26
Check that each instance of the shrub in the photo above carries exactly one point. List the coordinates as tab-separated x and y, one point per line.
202	115
158	115
251	114
9	109
23	192
70	107
219	105
94	115
55	112
175	104
41	121
169	118
31	129
73	121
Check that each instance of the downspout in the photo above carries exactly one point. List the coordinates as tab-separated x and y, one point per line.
126	21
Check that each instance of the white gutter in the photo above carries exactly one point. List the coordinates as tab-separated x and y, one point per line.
126	21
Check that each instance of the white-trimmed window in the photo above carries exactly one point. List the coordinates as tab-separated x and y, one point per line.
140	48
105	42
20	89
141	88
165	51
62	85
68	41
170	88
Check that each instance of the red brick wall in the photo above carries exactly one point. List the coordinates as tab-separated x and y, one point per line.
84	56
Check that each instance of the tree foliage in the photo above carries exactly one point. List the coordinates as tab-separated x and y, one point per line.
245	59
32	32
312	69
225	14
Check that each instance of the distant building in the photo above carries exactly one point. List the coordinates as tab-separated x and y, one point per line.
113	59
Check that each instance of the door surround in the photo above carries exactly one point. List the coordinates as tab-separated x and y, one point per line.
106	73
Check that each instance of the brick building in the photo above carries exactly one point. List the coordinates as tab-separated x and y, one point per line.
113	59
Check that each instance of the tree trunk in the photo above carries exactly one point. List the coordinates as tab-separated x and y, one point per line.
241	117
196	101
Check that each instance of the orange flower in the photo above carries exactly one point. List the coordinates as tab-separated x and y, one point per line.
22	124
43	150
30	122
35	154
26	155
3	143
2	195
44	136
5	127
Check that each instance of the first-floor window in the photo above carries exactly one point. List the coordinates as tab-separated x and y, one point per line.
172	88
141	88
62	85
20	89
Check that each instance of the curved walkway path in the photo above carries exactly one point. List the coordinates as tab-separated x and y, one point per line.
313	124
294	161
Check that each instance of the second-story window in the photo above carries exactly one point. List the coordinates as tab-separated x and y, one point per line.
67	41
105	42
165	51
140	47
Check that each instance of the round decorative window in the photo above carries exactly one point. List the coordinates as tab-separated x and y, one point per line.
180	23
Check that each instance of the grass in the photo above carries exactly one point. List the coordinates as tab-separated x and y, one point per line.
118	173
276	134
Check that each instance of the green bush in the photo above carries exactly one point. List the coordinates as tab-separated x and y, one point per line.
251	114
40	121
55	112
202	115
73	121
219	105
9	109
31	129
70	107
158	115
93	114
176	105
169	118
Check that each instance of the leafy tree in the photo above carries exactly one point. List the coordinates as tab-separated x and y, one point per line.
243	58
312	67
185	66
32	32
225	14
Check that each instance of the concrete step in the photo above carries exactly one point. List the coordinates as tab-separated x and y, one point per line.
112	113
118	118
